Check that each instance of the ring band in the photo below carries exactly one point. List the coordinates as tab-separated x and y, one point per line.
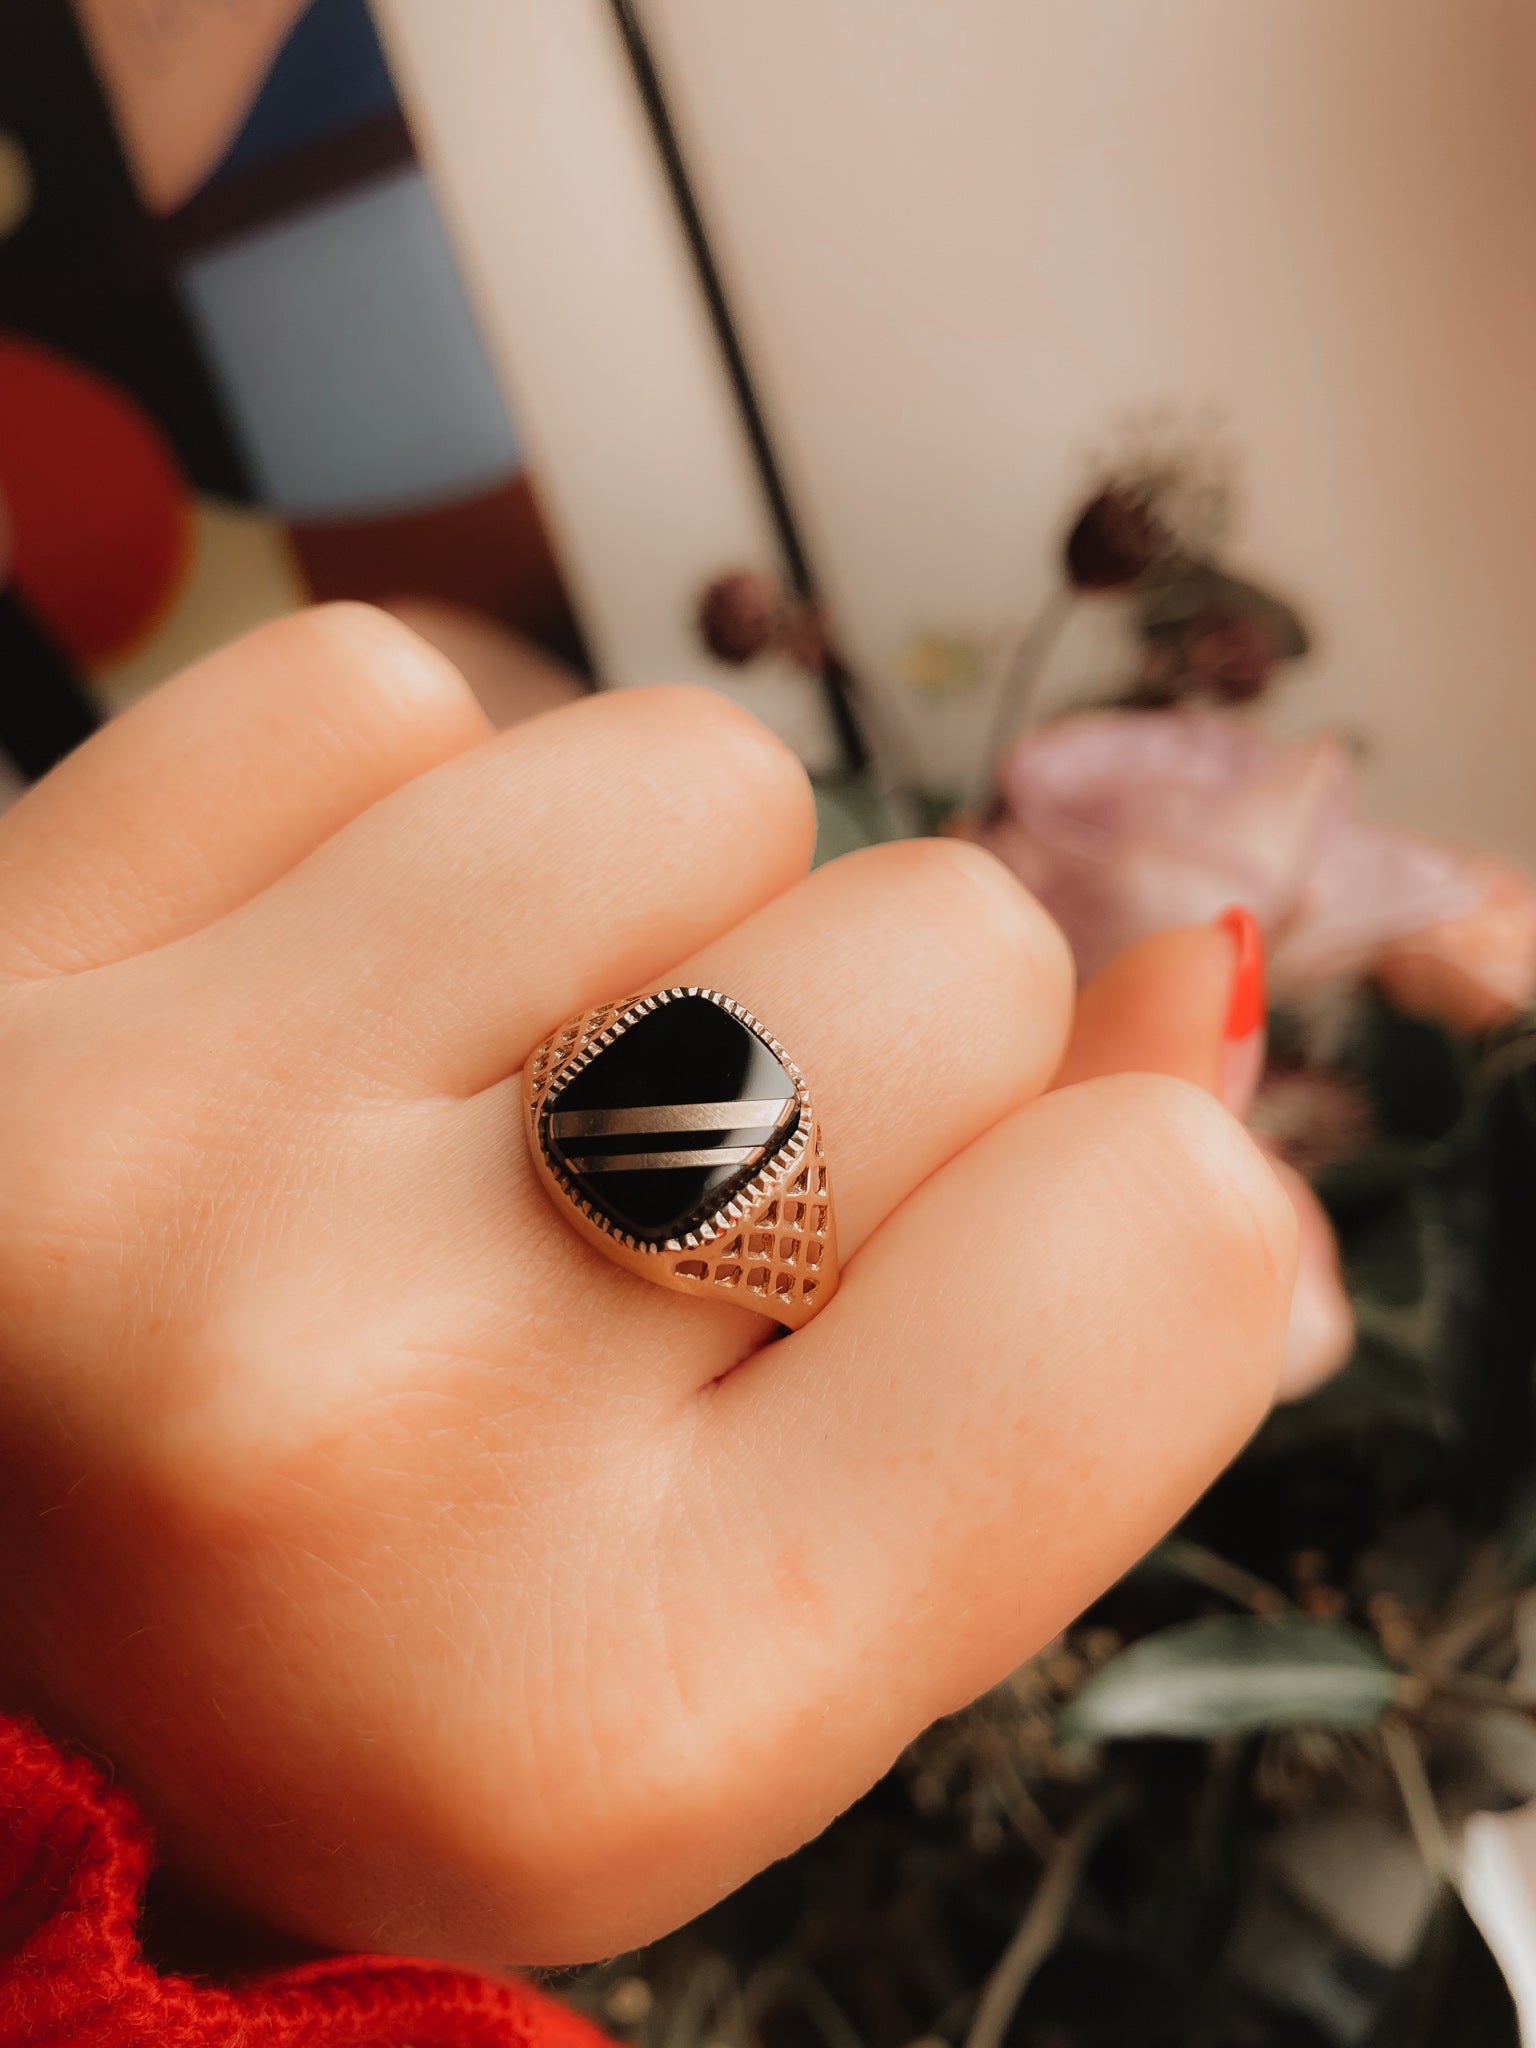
677	1135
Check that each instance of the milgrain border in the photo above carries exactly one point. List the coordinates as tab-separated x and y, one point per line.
548	1076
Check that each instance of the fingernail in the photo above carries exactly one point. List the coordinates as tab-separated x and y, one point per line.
1243	1057
1246	1007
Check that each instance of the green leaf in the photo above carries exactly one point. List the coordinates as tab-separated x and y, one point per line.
1232	1675
851	812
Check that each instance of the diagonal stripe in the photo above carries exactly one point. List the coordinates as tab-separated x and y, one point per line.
759	1115
644	1162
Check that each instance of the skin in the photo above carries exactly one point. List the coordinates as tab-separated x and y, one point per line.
437	1585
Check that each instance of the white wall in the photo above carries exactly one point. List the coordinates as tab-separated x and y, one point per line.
966	235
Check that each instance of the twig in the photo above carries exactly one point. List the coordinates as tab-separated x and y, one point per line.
1026	664
1456	1641
1204	1566
1040	1929
1506	1062
1419	1800
1013	1794
711	1993
1028	1818
788	1980
1478	1691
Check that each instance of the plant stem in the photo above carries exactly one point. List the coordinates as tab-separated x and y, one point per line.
709	2009
1040	1929
1456	1641
1418	1799
791	1982
1219	1575
1482	1692
1026	664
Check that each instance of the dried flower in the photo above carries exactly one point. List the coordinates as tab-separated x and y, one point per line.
1231	657
1183	467
1115	540
746	614
740	615
1206	633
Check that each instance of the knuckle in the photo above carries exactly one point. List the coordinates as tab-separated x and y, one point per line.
387	673
999	931
746	764
356	629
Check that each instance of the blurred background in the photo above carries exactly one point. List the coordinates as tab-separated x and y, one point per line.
969	256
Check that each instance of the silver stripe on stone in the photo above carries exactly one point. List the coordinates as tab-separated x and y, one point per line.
761	1115
641	1162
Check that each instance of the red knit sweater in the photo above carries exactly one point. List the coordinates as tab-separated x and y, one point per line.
74	1856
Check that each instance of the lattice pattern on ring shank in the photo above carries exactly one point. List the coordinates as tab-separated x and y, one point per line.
782	1253
566	1045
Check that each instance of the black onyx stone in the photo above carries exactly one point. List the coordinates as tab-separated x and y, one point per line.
664	1125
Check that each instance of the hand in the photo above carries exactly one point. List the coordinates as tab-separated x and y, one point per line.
438	1585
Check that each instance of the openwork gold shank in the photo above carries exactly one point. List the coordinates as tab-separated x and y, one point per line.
771	1248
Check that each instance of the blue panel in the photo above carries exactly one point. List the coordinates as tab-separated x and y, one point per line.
329	75
349	360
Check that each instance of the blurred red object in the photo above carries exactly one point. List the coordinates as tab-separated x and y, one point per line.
98	513
74	1856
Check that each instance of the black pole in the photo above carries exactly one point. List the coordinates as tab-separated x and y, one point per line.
835	678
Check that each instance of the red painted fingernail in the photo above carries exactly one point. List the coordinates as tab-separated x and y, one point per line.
1247	1006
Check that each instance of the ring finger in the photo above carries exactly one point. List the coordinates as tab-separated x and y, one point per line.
924	995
